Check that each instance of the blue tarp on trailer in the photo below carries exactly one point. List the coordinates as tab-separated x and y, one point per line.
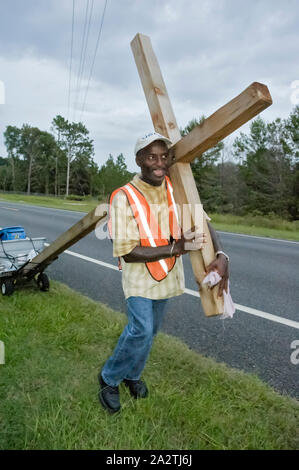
12	233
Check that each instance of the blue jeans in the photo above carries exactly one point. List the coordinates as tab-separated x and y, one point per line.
132	350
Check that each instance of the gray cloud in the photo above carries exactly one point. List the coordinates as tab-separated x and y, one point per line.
209	51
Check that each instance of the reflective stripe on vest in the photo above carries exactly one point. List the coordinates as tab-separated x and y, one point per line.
149	230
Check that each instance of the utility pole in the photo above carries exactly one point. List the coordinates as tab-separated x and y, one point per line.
68	171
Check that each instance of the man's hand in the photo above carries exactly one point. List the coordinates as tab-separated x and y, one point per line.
220	264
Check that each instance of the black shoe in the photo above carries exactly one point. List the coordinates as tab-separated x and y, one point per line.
138	388
109	396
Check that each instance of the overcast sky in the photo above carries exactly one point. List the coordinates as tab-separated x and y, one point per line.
209	51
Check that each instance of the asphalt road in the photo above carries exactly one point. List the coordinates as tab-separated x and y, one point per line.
264	276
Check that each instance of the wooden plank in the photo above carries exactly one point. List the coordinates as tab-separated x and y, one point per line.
154	88
65	240
185	191
223	122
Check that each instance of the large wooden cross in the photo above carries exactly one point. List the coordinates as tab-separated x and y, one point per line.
227	119
219	125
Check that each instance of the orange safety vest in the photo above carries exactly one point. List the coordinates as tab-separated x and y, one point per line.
149	230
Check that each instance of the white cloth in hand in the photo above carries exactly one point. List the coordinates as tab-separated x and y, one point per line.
229	309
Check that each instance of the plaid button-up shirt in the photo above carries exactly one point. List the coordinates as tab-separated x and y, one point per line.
136	279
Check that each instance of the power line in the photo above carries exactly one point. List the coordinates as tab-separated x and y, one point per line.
87	37
71	60
81	57
94	57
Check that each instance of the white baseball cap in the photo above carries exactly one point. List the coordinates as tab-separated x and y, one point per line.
148	139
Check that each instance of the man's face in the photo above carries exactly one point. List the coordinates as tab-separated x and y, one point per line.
153	161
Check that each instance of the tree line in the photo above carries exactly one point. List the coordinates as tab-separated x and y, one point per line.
258	173
60	162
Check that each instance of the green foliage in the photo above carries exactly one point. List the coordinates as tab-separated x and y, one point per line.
259	175
292	132
74	142
113	174
205	171
31	152
73	197
268	166
55	345
45	162
12	137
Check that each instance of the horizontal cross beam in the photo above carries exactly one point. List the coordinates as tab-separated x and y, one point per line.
223	122
63	242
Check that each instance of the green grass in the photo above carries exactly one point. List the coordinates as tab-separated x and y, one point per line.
252	225
86	205
263	226
56	343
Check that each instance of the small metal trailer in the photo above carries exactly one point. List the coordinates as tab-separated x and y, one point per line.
24	260
14	255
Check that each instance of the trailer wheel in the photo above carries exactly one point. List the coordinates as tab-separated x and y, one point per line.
7	287
43	282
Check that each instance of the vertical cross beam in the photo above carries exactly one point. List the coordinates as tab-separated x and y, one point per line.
185	191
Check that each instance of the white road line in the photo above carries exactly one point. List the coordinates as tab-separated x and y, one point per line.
268	316
258	313
242	308
192	292
91	260
9	208
30	206
255	236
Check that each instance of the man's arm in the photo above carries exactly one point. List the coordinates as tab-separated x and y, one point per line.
220	263
216	241
146	254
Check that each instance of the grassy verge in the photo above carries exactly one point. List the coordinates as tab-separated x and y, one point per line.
86	205
55	345
263	226
251	225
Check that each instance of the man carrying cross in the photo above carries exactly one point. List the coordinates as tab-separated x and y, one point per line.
147	237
